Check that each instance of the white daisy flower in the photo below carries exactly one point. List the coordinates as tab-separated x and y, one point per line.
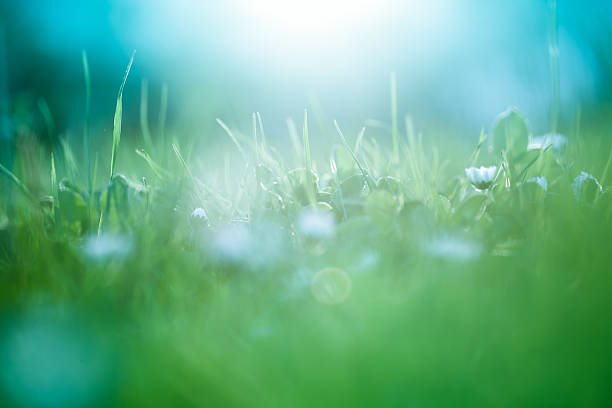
585	186
540	181
199	217
199	213
107	246
231	243
481	177
453	248
317	224
557	142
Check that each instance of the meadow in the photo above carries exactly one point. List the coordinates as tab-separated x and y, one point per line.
395	269
388	273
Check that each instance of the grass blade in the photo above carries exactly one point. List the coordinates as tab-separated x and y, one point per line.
604	174
69	160
231	135
117	119
295	141
306	141
308	161
87	118
481	139
359	140
53	177
365	174
261	131
394	128
157	169
24	189
334	171
254	130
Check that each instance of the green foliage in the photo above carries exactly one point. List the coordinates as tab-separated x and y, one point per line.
354	283
510	133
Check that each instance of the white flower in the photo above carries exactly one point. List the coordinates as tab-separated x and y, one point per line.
107	246
252	245
540	181
585	186
199	217
454	248
557	142
317	224
481	177
232	243
199	213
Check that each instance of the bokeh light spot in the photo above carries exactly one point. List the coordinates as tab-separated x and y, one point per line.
331	286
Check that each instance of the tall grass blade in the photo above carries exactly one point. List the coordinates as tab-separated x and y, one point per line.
604	173
181	160
307	160
87	119
53	176
232	137
22	187
346	145
334	171
254	130
117	120
197	184
69	160
359	140
394	126
306	141
157	169
481	139
264	145
523	174
295	141
94	173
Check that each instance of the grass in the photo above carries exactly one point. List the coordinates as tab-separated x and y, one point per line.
120	294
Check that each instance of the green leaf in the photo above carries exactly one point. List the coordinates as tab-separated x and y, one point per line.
381	206
301	183
510	133
117	119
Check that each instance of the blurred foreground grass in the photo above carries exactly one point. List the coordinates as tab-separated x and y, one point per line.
374	278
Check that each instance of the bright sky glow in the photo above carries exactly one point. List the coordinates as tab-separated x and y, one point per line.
313	17
316	27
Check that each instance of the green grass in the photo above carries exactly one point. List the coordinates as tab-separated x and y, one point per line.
116	294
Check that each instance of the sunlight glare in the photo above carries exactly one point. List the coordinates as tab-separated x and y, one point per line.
312	24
